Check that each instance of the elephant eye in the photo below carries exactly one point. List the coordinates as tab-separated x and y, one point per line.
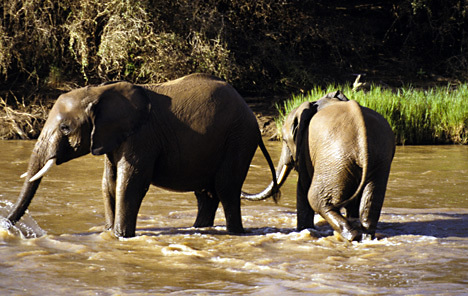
65	129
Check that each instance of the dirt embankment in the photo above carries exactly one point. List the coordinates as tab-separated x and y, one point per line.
265	110
19	120
26	121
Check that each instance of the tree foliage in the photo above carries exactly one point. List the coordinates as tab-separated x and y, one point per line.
259	46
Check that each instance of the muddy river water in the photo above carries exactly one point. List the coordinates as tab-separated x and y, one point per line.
59	247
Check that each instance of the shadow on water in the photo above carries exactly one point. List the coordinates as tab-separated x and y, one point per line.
221	231
451	225
430	223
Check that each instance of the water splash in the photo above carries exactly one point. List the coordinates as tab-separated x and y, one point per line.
27	227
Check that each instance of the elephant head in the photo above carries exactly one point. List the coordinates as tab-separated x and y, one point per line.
293	133
89	119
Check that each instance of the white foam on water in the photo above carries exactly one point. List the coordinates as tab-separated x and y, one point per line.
180	249
27	227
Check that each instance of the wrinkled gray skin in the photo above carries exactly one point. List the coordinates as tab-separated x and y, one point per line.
343	153
195	133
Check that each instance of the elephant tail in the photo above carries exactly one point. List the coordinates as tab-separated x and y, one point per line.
273	189
360	188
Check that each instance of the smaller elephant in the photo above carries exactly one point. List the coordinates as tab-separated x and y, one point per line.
342	153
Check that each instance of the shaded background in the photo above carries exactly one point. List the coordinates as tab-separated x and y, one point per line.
261	47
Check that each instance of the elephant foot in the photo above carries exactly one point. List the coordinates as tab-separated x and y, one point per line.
236	230
125	233
351	235
203	223
367	236
299	228
341	225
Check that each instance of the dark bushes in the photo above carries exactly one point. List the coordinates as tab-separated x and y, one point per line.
262	46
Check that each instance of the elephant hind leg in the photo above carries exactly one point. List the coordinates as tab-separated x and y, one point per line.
371	206
340	224
230	199
207	206
229	179
228	190
332	215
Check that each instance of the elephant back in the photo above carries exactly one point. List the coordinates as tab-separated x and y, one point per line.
380	137
340	123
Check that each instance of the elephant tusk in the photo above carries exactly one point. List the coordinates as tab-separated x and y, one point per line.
24	175
282	175
44	170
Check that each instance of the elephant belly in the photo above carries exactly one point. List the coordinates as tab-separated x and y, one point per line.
219	134
182	183
190	175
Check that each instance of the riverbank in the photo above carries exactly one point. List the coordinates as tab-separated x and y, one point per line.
432	115
436	115
266	111
21	121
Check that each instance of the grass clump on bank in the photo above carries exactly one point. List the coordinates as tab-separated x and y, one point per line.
435	116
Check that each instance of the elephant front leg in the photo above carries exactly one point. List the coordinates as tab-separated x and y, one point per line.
305	213
207	206
131	186
108	192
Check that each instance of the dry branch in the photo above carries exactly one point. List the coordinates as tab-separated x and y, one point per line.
24	123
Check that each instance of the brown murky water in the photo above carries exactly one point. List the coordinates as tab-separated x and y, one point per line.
59	247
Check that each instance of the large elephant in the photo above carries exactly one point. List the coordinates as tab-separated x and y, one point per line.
195	133
343	153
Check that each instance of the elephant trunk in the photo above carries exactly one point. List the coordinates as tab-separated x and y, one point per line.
36	170
282	174
284	167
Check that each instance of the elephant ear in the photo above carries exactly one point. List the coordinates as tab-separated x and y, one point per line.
338	95
119	110
330	98
302	116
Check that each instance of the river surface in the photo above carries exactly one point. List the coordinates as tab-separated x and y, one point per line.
59	247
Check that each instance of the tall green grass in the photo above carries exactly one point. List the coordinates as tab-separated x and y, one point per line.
435	116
